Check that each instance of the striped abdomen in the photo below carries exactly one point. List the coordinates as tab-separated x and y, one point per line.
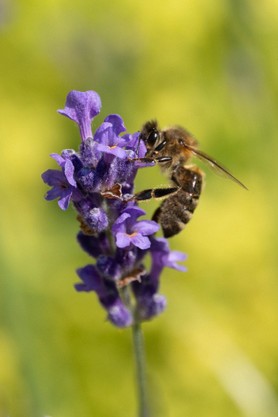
176	211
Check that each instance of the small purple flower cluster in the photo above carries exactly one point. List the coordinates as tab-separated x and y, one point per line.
99	181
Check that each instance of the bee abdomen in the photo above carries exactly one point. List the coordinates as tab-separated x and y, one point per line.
175	212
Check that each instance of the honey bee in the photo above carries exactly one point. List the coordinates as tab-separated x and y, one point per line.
172	148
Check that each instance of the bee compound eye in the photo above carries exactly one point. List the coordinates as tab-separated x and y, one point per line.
152	138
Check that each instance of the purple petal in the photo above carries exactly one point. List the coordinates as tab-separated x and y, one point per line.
82	107
135	211
126	223
146	227
64	202
174	257
58	158
61	189
112	150
53	177
119	225
103	133
67	166
163	257
117	123
52	194
132	213
57	192
108	141
142	242
69	171
122	240
90	277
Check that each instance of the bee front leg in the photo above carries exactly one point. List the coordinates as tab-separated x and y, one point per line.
150	159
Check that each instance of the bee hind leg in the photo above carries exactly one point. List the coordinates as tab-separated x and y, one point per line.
155	193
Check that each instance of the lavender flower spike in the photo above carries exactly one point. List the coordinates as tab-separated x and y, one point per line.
98	180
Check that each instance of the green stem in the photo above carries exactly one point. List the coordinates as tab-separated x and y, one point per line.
139	354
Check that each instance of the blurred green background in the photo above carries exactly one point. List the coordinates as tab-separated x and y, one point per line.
210	66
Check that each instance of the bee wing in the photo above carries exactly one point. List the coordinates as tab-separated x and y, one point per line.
216	166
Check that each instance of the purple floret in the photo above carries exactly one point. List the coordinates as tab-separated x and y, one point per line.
128	231
82	107
61	189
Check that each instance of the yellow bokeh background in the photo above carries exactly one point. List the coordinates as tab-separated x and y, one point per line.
211	67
